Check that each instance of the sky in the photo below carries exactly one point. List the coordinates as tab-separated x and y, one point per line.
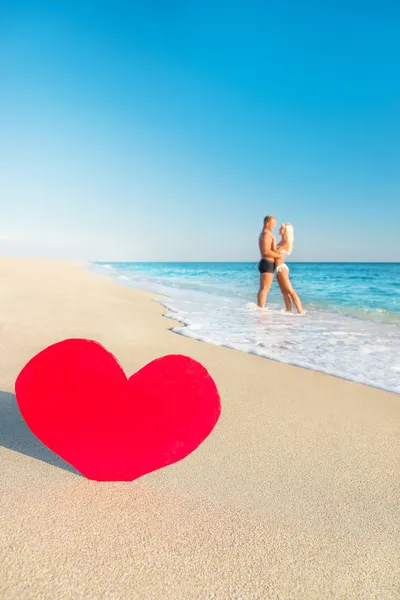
166	131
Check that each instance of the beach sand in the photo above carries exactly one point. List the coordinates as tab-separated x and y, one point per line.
294	495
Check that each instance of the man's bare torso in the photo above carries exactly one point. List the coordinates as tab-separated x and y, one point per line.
266	242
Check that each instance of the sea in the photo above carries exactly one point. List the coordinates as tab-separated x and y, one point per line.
351	328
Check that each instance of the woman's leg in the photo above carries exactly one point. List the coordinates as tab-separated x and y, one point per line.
286	297
297	302
287	286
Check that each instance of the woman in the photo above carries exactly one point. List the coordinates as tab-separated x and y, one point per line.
285	246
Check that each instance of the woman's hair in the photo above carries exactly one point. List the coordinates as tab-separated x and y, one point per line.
288	235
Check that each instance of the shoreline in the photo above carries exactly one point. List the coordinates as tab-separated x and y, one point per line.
293	495
181	326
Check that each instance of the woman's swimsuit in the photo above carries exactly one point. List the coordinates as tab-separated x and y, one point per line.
283	265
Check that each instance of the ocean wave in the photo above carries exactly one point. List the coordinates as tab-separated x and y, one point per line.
360	344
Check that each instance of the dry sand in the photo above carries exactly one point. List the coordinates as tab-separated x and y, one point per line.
295	495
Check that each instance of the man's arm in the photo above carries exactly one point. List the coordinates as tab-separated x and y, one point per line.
266	247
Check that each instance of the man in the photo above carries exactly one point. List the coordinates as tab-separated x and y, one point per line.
268	253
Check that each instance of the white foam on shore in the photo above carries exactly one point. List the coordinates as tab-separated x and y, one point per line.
355	349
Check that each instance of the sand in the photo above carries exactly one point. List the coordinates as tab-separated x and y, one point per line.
295	494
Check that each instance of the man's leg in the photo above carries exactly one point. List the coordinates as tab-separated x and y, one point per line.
265	284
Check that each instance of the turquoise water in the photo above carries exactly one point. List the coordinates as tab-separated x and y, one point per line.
351	327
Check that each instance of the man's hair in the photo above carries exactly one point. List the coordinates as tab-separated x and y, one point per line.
267	219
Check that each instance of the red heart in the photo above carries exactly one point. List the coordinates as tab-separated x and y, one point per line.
77	400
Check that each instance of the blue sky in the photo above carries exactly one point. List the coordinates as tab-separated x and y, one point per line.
166	131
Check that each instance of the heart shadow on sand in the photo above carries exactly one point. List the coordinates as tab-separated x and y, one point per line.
16	435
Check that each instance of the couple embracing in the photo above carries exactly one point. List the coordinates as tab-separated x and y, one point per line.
273	258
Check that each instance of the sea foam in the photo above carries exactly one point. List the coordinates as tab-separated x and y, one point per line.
357	343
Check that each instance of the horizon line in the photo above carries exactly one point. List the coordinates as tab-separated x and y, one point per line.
243	262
